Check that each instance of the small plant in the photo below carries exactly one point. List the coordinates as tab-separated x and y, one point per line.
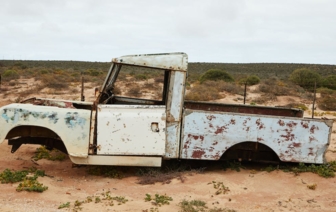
233	165
104	197
97	200
324	170
192	206
43	153
199	206
77	205
28	184
64	205
270	168
120	199
158	200
31	184
106	171
7	176
219	186
312	187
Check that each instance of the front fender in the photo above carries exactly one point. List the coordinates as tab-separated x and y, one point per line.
71	125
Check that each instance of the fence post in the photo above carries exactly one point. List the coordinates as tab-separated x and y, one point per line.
82	90
314	99
245	92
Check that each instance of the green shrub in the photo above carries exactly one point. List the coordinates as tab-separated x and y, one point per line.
305	78
44	71
251	80
92	72
10	74
329	82
215	75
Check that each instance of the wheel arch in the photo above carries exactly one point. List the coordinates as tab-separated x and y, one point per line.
251	150
32	134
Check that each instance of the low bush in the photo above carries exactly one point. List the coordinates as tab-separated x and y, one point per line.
140	77
202	92
305	78
327	102
216	75
251	80
55	81
325	91
133	90
265	98
10	74
329	82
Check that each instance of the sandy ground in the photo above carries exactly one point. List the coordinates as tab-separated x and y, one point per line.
250	189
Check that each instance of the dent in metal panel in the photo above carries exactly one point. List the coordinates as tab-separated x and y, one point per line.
209	135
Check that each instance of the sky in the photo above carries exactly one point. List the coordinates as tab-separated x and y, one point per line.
228	31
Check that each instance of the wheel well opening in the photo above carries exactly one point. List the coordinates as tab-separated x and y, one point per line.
34	135
250	151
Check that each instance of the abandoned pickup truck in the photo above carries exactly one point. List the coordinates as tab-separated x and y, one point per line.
118	129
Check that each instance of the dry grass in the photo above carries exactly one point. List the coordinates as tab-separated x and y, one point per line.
265	98
202	92
133	90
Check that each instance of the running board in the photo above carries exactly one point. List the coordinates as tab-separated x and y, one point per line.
118	160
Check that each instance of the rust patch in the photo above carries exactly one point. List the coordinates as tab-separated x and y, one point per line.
313	128
245	121
312	138
210	117
296	145
247	129
281	122
220	129
260	139
288	136
260	124
304	125
233	121
291	124
198	154
202	137
215	143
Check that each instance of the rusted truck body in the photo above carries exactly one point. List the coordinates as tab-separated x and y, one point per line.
119	129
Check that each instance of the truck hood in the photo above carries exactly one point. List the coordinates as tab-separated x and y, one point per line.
58	103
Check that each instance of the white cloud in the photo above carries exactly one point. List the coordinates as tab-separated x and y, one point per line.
296	31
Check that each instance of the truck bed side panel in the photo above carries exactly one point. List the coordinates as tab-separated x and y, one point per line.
207	135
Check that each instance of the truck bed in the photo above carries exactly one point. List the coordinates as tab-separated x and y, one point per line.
247	109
